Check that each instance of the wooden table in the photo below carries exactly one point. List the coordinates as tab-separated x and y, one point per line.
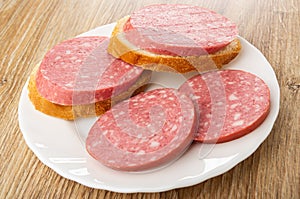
28	28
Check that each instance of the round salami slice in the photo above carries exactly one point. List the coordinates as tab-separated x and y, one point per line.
184	30
144	132
80	71
232	103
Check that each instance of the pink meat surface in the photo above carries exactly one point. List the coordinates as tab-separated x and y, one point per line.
144	132
80	71
231	103
182	30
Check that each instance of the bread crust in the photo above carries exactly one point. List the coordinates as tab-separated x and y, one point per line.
87	110
119	47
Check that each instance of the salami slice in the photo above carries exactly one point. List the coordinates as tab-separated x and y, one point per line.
183	30
80	71
146	131
232	103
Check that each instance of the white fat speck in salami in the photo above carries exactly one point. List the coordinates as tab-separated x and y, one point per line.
142	138
80	71
184	30
244	108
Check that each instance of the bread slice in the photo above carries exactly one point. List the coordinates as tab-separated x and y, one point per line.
88	110
119	47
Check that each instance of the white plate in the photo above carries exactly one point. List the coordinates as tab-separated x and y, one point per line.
60	144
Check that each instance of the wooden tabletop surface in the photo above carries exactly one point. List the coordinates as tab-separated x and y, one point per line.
28	28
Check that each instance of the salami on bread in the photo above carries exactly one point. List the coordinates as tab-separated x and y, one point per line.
78	78
231	103
146	131
176	38
80	71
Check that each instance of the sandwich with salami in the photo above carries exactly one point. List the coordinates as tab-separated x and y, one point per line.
78	78
175	38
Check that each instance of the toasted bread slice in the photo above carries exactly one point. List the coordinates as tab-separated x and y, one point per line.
88	110
119	47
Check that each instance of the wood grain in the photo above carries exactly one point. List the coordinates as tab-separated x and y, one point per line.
28	28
